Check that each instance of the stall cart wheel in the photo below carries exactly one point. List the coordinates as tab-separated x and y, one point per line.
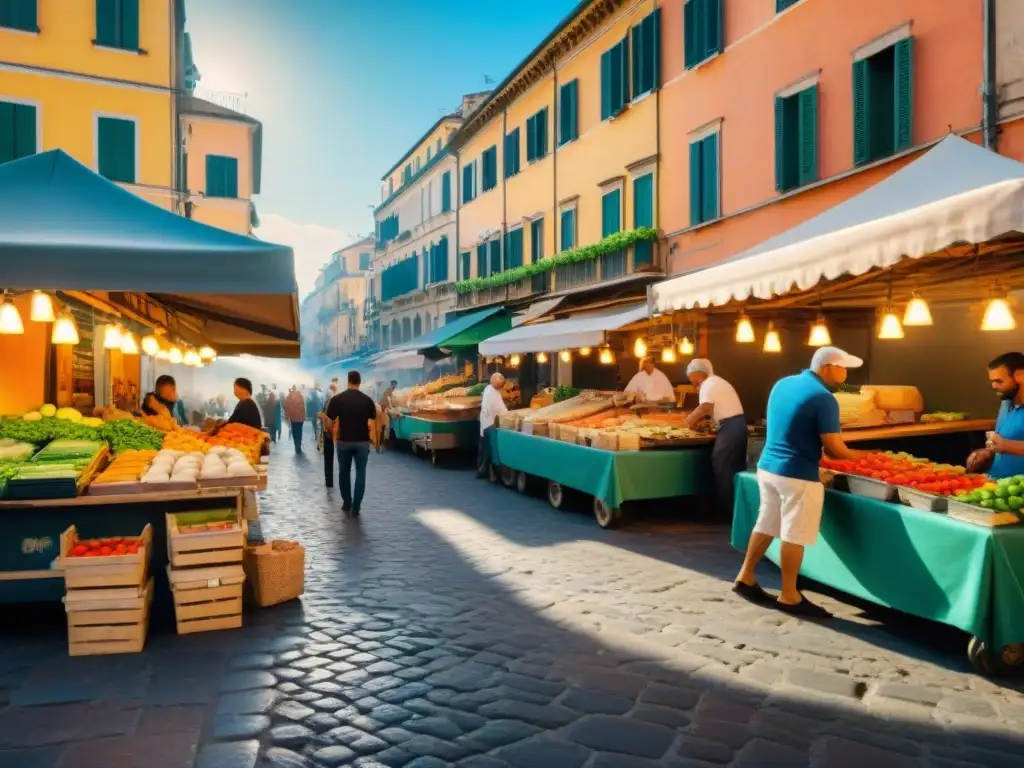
508	476
492	473
522	482
607	517
556	495
1009	662
433	458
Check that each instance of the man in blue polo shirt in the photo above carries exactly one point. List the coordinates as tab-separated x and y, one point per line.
1004	448
803	418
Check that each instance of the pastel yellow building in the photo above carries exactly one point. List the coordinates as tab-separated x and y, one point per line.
334	323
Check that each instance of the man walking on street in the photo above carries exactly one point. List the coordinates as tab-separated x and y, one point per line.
314	405
352	412
491	407
295	411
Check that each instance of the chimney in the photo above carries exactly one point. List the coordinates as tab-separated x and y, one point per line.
472	101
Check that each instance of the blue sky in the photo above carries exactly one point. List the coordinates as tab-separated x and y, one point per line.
344	87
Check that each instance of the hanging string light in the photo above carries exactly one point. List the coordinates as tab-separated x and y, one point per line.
772	342
10	318
128	344
565	356
917	312
112	337
820	337
174	355
42	308
890	327
668	355
584	351
150	345
542	357
998	316
744	330
606	357
65	330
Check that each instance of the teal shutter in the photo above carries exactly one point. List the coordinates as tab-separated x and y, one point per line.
780	144
643	216
903	123
19	14
637	54
568	229
511	154
129	37
536	240
709	177
781	5
574	111
464	266
7	132
611	213
713	28
567	112
861	116
495	248
446	192
695	185
652	40
24	130
514	249
467	183
807	136
116	140
606	84
481	260
531	131
106	22
690	37
541	137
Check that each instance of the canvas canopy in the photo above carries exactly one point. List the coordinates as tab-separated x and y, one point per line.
957	192
64	227
586	329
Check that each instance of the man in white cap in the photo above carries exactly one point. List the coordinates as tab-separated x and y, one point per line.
718	401
803	419
492	405
651	383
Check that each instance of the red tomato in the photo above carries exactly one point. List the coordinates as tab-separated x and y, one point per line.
104	550
133	549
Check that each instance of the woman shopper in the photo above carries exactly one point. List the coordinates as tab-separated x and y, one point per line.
295	412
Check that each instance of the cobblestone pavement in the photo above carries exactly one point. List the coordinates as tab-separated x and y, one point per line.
460	623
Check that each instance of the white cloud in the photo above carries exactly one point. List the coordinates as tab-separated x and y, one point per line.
313	245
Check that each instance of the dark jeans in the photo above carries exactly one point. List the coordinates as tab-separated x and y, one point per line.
728	457
483	454
297	435
347	454
328	461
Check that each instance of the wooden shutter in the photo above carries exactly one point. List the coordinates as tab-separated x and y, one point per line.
464	266
903	92
713	22
24	130
7	131
567	112
481	260
568	229
106	22
807	135
530	131
514	249
541	129
709	177
861	116
606	84
536	240
636	56
611	213
690	36
230	165
116	140
495	247
780	144
643	216
653	42
129	37
695	185
19	14
446	192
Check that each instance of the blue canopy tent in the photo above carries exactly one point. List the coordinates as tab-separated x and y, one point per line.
65	228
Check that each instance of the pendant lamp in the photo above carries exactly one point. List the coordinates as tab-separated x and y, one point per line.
42	308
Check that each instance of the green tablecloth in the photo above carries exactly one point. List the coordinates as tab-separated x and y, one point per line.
921	563
612	476
407	427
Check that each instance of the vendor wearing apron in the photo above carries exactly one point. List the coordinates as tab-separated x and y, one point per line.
719	402
1003	454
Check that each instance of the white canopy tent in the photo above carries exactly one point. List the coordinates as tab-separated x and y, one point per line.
584	330
957	192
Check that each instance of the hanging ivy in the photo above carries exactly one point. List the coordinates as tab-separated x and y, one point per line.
611	244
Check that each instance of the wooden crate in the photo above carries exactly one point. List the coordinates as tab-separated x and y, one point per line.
606	441
192	578
204	606
205	547
107	571
108	626
568	434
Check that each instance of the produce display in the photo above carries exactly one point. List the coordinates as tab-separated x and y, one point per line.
223	462
905	470
128	434
239	437
565	393
13	452
1005	495
54	472
127	467
42	429
873	405
112	547
174	467
588	403
942	416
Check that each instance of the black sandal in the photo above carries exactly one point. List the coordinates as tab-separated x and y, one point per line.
805	609
752	593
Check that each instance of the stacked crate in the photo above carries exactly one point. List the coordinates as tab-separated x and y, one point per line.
107	599
205	569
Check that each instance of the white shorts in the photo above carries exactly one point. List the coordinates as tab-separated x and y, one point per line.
790	509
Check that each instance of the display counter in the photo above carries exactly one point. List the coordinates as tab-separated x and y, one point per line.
611	477
945	442
432	433
921	563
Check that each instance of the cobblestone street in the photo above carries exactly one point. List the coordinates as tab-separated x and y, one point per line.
461	623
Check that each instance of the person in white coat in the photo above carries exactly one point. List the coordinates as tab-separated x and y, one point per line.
491	407
653	385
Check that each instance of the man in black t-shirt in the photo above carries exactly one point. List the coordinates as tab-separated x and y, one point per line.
350	413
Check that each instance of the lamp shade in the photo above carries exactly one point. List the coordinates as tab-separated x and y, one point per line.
640	347
606	357
128	344
514	361
998	316
207	352
565	356
584	351
65	331
191	357
42	308
542	357
820	337
890	327
917	312
150	345
686	347
10	318
174	355
744	330
668	355
112	337
772	342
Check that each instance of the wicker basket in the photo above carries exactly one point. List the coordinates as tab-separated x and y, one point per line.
276	571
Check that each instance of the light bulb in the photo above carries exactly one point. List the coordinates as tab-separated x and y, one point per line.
42	308
150	345
820	337
890	327
163	354
191	357
542	357
207	352
772	343
128	344
112	337
917	312
584	351
668	355
686	347
998	316
65	331
640	347
606	357
514	361
10	319
174	355
744	331
565	356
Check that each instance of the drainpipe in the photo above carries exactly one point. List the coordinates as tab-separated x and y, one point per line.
555	223
989	99
657	160
504	195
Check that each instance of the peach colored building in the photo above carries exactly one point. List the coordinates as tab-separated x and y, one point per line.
333	319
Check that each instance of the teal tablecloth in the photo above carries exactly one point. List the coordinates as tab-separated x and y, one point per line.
921	563
407	427
612	476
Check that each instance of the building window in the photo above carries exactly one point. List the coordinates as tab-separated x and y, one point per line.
115	139
407	174
512	153
468	188
568	229
615	79
495	259
781	5
464	266
18	136
489	170
481	260
19	14
391	186
643	216
702	30
365	261
117	24
704	179
385	334
537	136
446	192
611	212
407	329
536	240
439	144
388	229
221	176
514	248
796	139
883	103
645	44
439	261
568	112
428	154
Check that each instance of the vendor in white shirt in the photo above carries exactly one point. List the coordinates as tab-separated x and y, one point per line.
492	405
651	383
718	401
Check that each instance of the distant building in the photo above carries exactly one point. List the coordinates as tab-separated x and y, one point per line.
333	318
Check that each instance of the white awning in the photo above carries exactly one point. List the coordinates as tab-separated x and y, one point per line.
398	360
583	330
957	192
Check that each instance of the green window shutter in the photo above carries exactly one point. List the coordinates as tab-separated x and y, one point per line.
654	44
464	266
446	192
606	84
695	184
709	177
481	260
536	240
780	144
19	14
530	133
541	139
781	5
611	213
129	37
567	112
116	145
903	124
106	22
636	56
24	130
511	154
568	229
807	135
643	216
690	36
467	183
495	248
514	249
713	26
574	104
861	113
7	132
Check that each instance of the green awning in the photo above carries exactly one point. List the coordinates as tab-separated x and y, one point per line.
477	333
